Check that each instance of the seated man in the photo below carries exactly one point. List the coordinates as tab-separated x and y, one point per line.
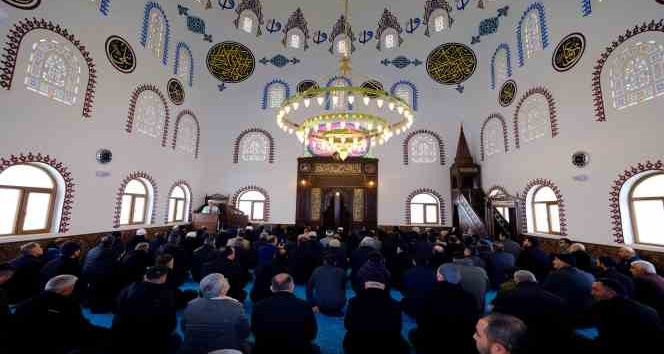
146	310
134	264
326	289
26	281
100	271
649	285
417	284
570	283
500	334
447	316
59	321
214	321
373	319
284	323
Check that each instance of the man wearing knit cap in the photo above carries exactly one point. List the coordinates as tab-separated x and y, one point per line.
570	283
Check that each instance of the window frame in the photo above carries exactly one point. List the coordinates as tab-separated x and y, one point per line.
175	200
21	209
424	210
253	202
632	211
548	212
132	203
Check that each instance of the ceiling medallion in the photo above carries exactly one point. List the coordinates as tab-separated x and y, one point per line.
230	62
23	4
104	156
121	55
580	159
176	91
568	52
451	64
507	93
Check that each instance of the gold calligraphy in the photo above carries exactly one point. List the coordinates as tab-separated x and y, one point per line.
451	63
569	51
230	62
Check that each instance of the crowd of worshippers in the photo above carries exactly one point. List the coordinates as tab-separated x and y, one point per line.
542	298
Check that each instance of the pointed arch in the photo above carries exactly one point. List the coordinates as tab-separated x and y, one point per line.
149	6
152	193
265	101
406	143
552	112
503	124
238	142
181	48
414	93
197	134
544	30
429	191
508	54
332	81
129	127
13	44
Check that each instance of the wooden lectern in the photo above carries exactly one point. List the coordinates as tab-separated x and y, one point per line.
209	221
230	217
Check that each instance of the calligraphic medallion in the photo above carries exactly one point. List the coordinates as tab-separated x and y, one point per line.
121	55
451	63
230	62
568	52
175	91
507	93
337	169
23	4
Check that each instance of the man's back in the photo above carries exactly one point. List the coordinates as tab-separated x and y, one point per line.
144	308
327	288
498	267
571	284
283	323
474	280
625	325
212	324
650	291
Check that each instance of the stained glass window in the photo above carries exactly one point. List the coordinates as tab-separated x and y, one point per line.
342	47
150	115
187	134
156	33
423	148
254	147
493	138
636	73
440	23
532	34
54	71
247	24
276	95
534	118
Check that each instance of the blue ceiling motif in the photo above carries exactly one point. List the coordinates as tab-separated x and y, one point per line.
227	4
195	24
320	37
342	27
412	25
297	20
273	26
365	36
490	25
388	21
430	7
586	8
279	61
461	4
401	62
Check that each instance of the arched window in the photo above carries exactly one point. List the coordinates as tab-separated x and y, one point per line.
424	209
423	148
54	71
28	197
501	65
407	91
534	118
178	204
254	147
440	20
274	94
184	63
636	73
342	46
532	33
187	134
404	93
646	204
150	115
493	137
252	204
390	42
338	100
156	31
135	203
545	211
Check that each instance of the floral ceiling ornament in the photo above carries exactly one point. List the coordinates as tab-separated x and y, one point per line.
226	4
273	26
401	62
279	61
195	24
388	21
490	25
342	27
297	20
254	6
430	7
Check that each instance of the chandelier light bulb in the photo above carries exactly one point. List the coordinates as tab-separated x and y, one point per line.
328	126
351	99
391	106
342	125
288	109
320	100
335	100
290	131
379	103
400	110
366	100
307	102
296	105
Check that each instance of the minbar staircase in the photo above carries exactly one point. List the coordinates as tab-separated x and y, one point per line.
469	218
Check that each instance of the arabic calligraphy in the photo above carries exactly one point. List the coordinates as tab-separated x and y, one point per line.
230	62
451	63
507	93
120	54
175	91
569	51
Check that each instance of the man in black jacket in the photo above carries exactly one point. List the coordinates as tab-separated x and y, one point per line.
201	256
6	272
607	268
26	281
532	258
546	315
326	289
447	317
145	318
570	283
67	263
223	262
59	321
417	284
284	323
101	274
134	264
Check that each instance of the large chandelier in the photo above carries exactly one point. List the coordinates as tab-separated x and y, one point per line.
344	120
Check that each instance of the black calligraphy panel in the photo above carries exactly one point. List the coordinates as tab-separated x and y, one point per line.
451	63
230	62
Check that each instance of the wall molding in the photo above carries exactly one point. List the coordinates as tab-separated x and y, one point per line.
598	96
238	141
552	112
500	118
541	182
406	142
129	127
120	192
187	112
179	182
68	200
266	211
441	202
13	45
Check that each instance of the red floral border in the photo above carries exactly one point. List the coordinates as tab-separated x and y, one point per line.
598	97
429	191
561	203
120	192
13	44
614	194
177	127
238	141
65	217
179	182
266	211
406	141
552	112
129	127
505	139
